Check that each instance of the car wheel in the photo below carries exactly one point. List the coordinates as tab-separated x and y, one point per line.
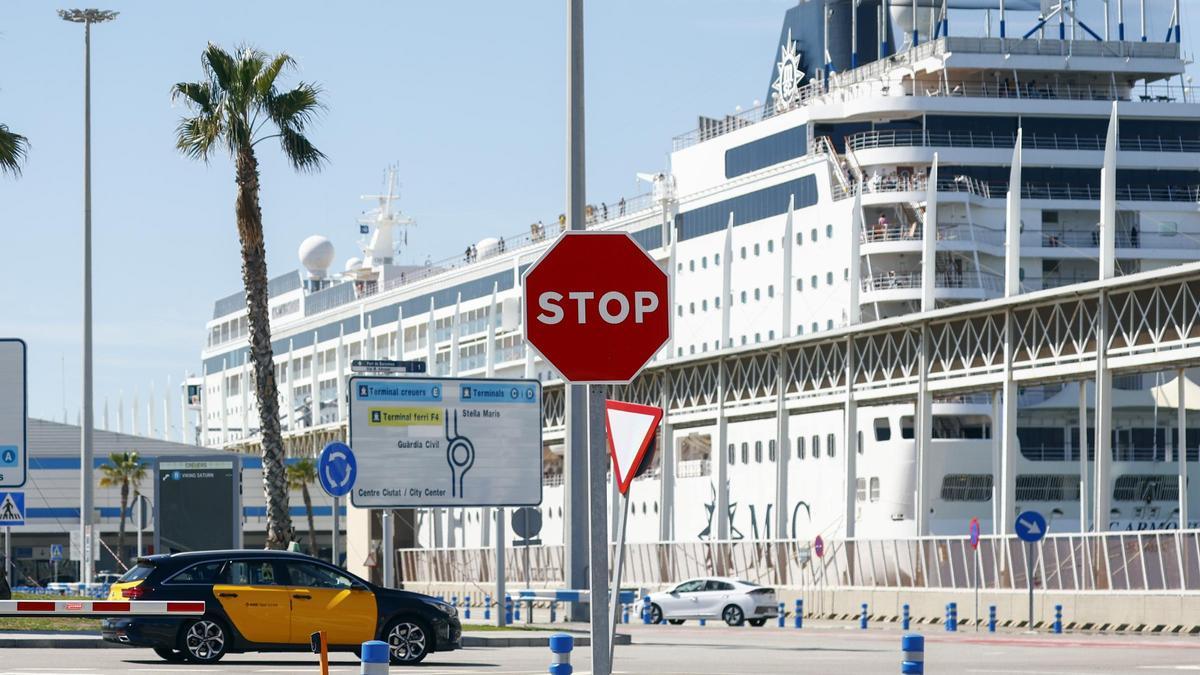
757	622
408	641
733	615
168	654
656	615
205	640
675	622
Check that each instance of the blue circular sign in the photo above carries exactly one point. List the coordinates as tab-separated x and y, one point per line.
1030	526
337	469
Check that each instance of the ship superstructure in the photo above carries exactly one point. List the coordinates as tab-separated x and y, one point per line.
807	214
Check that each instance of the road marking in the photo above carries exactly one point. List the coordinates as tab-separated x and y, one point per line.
1185	667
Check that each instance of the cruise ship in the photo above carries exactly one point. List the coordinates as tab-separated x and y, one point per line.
805	214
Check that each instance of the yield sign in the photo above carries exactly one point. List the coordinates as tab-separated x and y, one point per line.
631	429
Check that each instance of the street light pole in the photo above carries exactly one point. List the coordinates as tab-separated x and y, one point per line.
87	17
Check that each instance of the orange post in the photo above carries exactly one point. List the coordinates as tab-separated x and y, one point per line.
324	654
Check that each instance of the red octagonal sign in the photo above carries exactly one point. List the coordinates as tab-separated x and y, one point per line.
596	307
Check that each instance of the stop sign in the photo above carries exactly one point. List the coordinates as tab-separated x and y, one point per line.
596	307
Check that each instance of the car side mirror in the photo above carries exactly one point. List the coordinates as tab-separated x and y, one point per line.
675	593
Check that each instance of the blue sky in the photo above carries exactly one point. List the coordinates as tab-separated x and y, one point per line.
466	98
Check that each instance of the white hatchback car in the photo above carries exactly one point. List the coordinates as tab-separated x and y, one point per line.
732	600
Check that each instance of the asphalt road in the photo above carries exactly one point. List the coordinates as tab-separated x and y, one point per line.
693	650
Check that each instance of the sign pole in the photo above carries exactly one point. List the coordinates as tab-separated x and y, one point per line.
598	581
615	602
337	527
9	570
975	570
137	506
1029	578
501	535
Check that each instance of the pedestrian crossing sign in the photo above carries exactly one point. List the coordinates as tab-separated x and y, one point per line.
12	509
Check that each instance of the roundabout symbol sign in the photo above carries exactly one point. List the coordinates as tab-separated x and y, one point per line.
337	469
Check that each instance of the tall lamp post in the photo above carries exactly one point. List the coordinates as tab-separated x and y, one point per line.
87	17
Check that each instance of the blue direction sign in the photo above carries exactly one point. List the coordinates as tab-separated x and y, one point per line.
973	529
1030	526
12	509
56	553
337	469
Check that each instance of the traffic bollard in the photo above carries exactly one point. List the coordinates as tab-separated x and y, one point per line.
487	607
561	645
466	607
953	617
782	618
912	647
799	620
991	618
624	613
1058	618
454	601
904	618
508	610
702	622
645	609
517	610
862	619
374	658
553	611
946	617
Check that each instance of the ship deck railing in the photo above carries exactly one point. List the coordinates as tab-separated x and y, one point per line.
894	182
869	140
968	279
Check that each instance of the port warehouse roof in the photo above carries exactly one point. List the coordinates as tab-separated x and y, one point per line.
52	491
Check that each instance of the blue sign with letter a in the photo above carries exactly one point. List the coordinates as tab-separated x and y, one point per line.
12	509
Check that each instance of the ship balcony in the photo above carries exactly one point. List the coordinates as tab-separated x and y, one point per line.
949	285
1163	243
894	188
894	238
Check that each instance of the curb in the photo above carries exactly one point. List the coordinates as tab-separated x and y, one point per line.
468	641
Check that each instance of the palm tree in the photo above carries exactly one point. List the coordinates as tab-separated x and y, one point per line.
124	470
13	149
237	106
300	475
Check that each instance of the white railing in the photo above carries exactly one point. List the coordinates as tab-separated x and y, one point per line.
874	233
868	140
943	279
1151	561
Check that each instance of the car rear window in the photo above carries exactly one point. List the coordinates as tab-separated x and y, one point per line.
136	573
201	573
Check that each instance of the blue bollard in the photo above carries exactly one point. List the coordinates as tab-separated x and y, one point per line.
517	610
1058	618
466	606
553	611
912	647
782	618
646	609
991	618
375	658
454	601
862	618
702	623
508	610
904	618
624	613
799	620
953	625
561	645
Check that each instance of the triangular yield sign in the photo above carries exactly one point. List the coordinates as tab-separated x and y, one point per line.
631	428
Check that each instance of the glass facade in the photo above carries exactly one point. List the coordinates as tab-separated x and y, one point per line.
746	208
766	151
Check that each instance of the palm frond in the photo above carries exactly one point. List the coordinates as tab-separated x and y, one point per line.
303	155
295	108
196	136
264	84
197	95
219	65
14	148
250	63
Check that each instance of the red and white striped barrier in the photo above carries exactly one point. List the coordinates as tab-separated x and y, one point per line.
101	608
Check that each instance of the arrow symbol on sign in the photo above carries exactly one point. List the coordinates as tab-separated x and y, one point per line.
337	456
1031	527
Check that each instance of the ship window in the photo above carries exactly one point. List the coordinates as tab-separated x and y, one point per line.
799	239
704	262
1053	487
704	305
829	324
770	246
745	453
816	447
800	284
829	231
743	253
770	335
717	302
812	282
767	151
1146	488
717	259
883	430
799	447
679	310
732	455
799	329
906	426
743	297
743	339
771	450
771	290
815	327
1042	443
757	294
967	487
679	267
757	338
758	456
1049	216
691	308
860	443
691	265
860	491
813	234
845	274
829	278
691	349
756	249
830	445
875	488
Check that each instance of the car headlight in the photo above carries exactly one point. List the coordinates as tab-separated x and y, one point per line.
446	607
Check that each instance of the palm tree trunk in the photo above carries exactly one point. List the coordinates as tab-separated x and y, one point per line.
312	528
121	528
254	278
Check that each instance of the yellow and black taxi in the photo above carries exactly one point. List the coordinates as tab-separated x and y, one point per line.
273	601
